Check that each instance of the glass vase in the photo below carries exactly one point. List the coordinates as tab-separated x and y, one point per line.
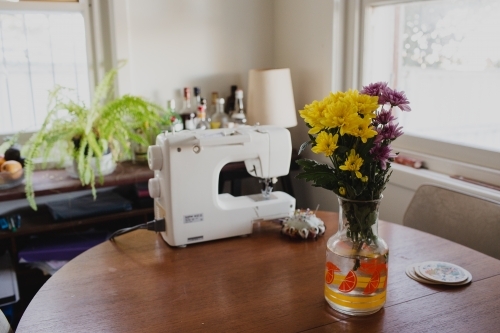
356	260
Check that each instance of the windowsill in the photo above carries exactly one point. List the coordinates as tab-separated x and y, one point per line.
411	178
449	167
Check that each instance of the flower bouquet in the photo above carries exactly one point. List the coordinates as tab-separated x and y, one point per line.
354	130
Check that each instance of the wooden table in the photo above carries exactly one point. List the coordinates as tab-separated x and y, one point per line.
262	283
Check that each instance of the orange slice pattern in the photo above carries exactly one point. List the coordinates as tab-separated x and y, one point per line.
373	284
371	267
386	275
330	272
349	282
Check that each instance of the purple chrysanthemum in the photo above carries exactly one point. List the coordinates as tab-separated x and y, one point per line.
395	98
391	131
375	89
379	138
383	118
382	154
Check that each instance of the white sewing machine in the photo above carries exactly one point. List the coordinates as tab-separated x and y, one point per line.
187	165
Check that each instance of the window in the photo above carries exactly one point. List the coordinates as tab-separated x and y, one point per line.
41	46
446	56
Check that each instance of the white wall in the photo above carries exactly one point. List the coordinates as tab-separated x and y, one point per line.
304	43
171	44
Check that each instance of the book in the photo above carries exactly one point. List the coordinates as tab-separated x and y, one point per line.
107	202
60	247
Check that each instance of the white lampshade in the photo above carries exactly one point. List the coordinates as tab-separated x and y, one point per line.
270	98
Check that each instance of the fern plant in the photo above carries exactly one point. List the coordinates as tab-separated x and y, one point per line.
86	133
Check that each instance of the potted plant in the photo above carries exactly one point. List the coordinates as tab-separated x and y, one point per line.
87	133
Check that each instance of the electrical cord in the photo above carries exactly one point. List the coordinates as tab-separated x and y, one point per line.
155	225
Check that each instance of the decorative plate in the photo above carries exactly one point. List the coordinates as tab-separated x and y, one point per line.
443	272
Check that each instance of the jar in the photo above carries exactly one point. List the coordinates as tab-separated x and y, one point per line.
356	260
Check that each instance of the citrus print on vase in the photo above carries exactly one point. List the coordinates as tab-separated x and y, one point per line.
354	130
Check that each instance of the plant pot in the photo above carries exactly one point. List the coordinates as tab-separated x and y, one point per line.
140	153
356	260
140	150
106	163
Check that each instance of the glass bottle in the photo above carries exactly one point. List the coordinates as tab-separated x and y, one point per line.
188	113
174	118
202	123
219	119
213	106
197	97
238	116
196	103
229	107
356	260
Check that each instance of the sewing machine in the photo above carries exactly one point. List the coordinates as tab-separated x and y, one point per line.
187	165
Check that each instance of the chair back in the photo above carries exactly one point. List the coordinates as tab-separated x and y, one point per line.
4	324
462	218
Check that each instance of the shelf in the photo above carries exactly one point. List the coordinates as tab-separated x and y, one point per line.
34	222
55	181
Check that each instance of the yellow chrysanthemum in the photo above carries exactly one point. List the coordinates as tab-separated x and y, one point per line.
326	143
353	163
351	94
362	129
334	97
367	105
339	114
313	114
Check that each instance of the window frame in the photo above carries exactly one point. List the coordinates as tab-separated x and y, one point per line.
439	156
82	6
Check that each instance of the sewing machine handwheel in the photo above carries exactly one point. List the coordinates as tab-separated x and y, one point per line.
155	157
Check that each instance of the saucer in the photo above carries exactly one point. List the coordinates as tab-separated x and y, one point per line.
437	272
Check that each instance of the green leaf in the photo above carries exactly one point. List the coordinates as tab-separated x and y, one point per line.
87	175
361	212
321	175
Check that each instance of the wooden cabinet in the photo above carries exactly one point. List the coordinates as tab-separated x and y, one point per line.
49	182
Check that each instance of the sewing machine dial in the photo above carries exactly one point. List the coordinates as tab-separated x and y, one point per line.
155	158
154	188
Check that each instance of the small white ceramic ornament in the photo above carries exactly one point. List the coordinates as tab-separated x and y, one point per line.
303	224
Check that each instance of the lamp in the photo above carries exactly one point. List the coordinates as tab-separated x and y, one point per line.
270	98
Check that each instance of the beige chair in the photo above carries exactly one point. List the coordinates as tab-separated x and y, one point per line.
4	324
465	219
